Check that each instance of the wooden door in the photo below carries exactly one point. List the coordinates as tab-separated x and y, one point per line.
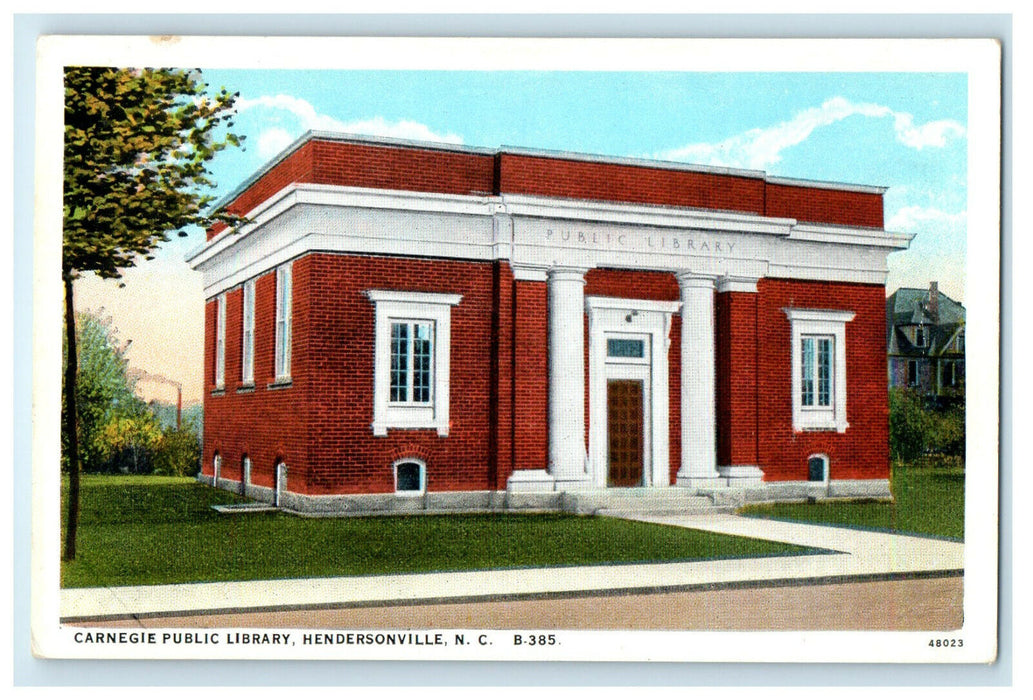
625	429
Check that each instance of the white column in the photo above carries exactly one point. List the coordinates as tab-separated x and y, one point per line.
698	438
567	376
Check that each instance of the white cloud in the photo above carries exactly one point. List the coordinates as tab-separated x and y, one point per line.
916	218
762	147
272	141
305	118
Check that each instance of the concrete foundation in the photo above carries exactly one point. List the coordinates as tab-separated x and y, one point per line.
643	500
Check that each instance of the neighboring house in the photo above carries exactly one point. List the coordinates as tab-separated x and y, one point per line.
925	339
508	327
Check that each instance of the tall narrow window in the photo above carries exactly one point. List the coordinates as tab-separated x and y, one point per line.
912	373
816	371
283	322
412	352
220	342
247	374
819	368
919	337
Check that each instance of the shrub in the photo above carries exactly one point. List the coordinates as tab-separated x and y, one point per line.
179	453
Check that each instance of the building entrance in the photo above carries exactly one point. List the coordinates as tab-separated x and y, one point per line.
626	432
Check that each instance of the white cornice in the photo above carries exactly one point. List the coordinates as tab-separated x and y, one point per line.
595	303
303	218
335	196
850	235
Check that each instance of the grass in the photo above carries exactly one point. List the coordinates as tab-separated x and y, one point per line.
153	530
928	500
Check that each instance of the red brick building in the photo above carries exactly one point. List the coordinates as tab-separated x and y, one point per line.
412	325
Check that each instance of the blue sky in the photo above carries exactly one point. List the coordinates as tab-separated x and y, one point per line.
905	131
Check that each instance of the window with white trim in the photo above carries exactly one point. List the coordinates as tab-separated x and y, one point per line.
247	373
220	341
819	368
283	323
411	359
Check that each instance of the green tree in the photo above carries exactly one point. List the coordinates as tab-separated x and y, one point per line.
136	152
910	425
103	389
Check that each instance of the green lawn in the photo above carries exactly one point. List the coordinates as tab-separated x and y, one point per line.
150	530
927	500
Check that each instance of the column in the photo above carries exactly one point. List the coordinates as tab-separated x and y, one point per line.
698	440
567	376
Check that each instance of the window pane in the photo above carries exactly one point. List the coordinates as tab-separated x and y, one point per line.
408	476
816	469
399	362
824	371
807	371
421	360
624	347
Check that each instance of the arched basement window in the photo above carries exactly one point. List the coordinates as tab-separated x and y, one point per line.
409	477
818	468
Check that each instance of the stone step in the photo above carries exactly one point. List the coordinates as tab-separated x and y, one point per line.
665	501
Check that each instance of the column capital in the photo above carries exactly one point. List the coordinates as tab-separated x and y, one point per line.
728	283
694	280
563	273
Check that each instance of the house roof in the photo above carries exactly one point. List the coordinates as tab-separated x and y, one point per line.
910	307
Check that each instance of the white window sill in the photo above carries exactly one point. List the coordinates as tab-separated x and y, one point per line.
380	429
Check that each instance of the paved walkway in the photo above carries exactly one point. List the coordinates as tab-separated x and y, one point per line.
857	555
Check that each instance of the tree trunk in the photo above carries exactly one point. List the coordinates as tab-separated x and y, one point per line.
71	424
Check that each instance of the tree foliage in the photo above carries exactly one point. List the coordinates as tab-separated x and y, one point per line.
104	389
919	427
136	153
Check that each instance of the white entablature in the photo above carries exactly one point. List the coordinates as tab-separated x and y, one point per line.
537	233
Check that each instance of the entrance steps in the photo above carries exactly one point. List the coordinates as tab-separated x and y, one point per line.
664	501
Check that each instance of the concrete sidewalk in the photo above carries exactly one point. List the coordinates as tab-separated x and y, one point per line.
856	554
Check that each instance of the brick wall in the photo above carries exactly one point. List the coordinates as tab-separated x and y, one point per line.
862	452
821	205
736	356
345	457
576	179
530	375
268	425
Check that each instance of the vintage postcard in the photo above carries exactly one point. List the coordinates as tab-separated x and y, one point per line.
516	349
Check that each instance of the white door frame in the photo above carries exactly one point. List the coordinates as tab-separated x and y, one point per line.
650	321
